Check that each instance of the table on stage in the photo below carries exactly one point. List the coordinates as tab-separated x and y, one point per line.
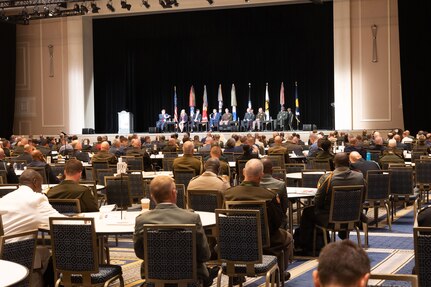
123	223
11	273
295	194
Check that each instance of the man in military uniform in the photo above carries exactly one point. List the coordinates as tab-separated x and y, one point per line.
104	155
210	178
289	119
70	188
247	122
187	161
260	118
281	119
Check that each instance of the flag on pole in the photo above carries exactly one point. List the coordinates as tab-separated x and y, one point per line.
205	106
192	102
233	101
282	95
175	105
297	113
249	95
267	102
220	99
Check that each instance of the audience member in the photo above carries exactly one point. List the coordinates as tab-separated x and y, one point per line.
39	161
188	161
77	152
10	172
103	155
359	164
70	188
342	263
26	154
210	178
163	192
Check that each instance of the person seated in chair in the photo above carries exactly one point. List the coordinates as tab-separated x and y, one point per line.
226	118
342	263
214	119
196	120
247	122
183	120
39	161
281	119
163	118
164	194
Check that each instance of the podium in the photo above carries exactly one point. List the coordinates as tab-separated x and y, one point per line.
125	122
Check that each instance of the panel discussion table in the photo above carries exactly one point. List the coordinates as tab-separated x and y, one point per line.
123	223
11	273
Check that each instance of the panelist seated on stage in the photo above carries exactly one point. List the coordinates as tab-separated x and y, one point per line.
281	119
70	188
163	118
226	117
214	119
196	119
247	122
163	192
183	120
259	119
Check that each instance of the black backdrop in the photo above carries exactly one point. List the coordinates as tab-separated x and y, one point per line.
7	78
138	60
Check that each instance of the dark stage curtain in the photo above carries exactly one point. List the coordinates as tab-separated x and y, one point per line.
7	78
414	27
138	60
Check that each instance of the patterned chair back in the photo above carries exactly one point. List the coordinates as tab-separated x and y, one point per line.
89	173
277	159
102	172
310	177
229	156
346	205
66	206
167	163
423	171
20	248
204	200
136	185
239	236
58	169
176	262
74	246
181	195
401	180
324	164
184	176
259	205
241	166
293	167
134	162
378	185
117	191
279	174
42	171
422	245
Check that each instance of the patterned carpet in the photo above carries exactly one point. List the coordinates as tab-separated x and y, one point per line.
389	251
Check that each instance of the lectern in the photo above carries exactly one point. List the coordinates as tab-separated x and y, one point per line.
125	122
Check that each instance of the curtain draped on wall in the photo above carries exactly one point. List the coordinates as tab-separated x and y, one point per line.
7	78
138	61
414	27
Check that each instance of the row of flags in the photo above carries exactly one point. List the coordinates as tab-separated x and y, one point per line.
233	102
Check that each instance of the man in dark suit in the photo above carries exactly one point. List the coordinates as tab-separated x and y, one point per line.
163	117
196	120
214	119
77	152
290	119
359	164
26	155
163	192
10	172
70	188
250	189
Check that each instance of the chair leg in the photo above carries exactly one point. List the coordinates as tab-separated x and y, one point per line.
220	272
376	215
388	215
358	235
314	242
365	228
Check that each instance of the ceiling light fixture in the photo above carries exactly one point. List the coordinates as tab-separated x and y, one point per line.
109	6
125	5
94	8
146	4
168	3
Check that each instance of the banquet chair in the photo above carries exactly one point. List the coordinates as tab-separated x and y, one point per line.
20	248
176	262
416	154
204	200
181	195
229	156
99	165
75	254
134	162
310	177
278	159
136	185
240	167
279	174
3	176
293	167
42	171
66	206
89	173
422	245
58	169
102	172
324	164
239	238
183	176
170	154
413	279
167	163
117	191
402	189
99	196
7	188
377	193
374	154
344	213
423	178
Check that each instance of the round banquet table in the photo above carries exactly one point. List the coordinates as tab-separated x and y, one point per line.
11	272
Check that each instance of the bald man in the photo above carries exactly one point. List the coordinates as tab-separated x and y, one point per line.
104	155
164	194
26	155
187	161
359	164
250	189
136	150
210	178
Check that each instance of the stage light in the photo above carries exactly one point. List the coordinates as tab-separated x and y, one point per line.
146	4
109	6
94	8
84	9
125	5
210	2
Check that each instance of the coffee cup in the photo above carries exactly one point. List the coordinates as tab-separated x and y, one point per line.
145	204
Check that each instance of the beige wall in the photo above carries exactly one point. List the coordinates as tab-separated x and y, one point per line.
367	95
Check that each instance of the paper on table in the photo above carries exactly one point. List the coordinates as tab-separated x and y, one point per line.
107	208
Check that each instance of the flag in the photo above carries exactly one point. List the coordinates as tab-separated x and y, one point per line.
296	103
175	105
233	101
220	99
192	102
267	102
282	95
205	106
249	96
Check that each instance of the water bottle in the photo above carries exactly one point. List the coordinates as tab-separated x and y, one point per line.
368	155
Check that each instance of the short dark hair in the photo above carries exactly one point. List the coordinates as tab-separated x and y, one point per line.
73	166
343	263
341	159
